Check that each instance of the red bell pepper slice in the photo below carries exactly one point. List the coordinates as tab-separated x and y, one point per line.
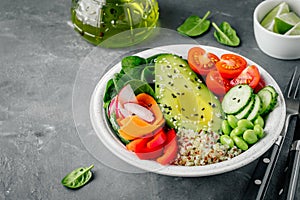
139	146
132	145
157	140
170	150
145	153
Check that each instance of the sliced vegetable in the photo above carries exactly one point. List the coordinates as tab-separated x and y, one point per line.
246	111
159	139
268	101
194	25
170	150
140	111
231	65
216	83
225	34
256	108
146	153
250	75
237	98
201	61
126	95
133	126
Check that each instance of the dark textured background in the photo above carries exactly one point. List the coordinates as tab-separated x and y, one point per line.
39	144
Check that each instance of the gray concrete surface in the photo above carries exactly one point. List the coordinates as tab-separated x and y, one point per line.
39	144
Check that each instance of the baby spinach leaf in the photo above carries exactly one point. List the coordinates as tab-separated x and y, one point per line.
133	66
139	86
148	74
78	177
226	35
194	25
110	91
151	60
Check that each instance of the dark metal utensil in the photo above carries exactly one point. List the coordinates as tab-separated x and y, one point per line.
263	172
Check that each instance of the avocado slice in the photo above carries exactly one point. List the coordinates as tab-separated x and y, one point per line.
184	100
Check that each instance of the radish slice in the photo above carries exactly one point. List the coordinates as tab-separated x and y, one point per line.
112	106
124	113
118	106
140	111
127	95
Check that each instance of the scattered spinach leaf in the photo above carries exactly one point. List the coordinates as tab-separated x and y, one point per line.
194	25
78	177
226	35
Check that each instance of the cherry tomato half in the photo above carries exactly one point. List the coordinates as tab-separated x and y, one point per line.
250	75
216	83
201	61
231	65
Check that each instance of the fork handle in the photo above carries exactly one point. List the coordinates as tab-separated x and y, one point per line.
295	170
262	174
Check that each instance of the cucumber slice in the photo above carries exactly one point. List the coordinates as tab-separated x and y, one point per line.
272	90
274	94
267	101
246	111
237	99
256	108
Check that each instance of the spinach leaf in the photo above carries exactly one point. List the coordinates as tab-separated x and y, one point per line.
226	35
119	80
151	59
133	66
148	74
194	25
78	177
110	91
139	86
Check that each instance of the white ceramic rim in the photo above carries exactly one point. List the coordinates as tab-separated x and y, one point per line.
111	142
257	22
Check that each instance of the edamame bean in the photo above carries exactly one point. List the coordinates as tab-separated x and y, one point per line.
259	131
232	120
245	123
237	131
259	120
250	137
226	127
226	140
240	143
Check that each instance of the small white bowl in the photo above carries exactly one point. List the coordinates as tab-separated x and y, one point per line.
273	44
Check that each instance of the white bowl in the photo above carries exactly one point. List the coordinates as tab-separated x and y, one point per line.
273	126
273	44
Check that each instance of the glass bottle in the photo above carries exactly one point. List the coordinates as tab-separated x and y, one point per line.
130	21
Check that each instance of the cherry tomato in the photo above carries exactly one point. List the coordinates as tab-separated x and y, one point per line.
231	65
249	75
217	84
201	61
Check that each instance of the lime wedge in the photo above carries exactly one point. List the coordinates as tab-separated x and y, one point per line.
285	22
268	20
294	31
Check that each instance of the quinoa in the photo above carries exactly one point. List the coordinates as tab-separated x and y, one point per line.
198	149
